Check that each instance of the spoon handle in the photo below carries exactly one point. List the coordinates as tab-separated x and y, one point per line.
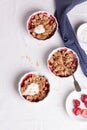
76	84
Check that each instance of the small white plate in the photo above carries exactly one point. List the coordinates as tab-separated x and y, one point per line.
69	104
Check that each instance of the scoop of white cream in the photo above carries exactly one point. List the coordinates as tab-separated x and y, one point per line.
31	89
39	29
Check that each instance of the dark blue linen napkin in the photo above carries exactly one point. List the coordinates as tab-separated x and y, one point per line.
66	31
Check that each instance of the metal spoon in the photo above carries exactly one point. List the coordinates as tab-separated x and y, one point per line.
76	84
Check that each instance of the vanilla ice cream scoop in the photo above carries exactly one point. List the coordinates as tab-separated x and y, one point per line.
31	89
39	29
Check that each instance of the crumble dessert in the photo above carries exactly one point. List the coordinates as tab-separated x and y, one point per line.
34	87
41	25
63	62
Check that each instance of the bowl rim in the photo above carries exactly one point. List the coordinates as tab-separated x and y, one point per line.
21	79
35	14
59	48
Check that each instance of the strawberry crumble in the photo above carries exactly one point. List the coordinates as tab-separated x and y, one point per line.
63	62
34	87
41	25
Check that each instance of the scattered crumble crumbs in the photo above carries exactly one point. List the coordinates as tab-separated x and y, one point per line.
27	46
28	58
38	64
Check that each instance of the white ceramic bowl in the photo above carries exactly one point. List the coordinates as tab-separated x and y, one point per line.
55	50
82	33
48	14
24	77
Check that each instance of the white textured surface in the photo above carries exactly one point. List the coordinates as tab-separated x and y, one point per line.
20	53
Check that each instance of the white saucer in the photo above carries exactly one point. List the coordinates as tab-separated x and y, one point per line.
69	104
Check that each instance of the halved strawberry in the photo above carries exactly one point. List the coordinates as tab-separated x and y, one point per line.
76	102
84	113
84	98
77	111
85	104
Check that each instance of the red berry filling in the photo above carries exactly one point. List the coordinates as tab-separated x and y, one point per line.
28	76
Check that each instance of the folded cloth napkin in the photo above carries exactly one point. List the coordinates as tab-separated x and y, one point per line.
66	31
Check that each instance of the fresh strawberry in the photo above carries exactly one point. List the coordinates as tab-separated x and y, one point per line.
85	104
76	102
84	98
84	113
77	111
